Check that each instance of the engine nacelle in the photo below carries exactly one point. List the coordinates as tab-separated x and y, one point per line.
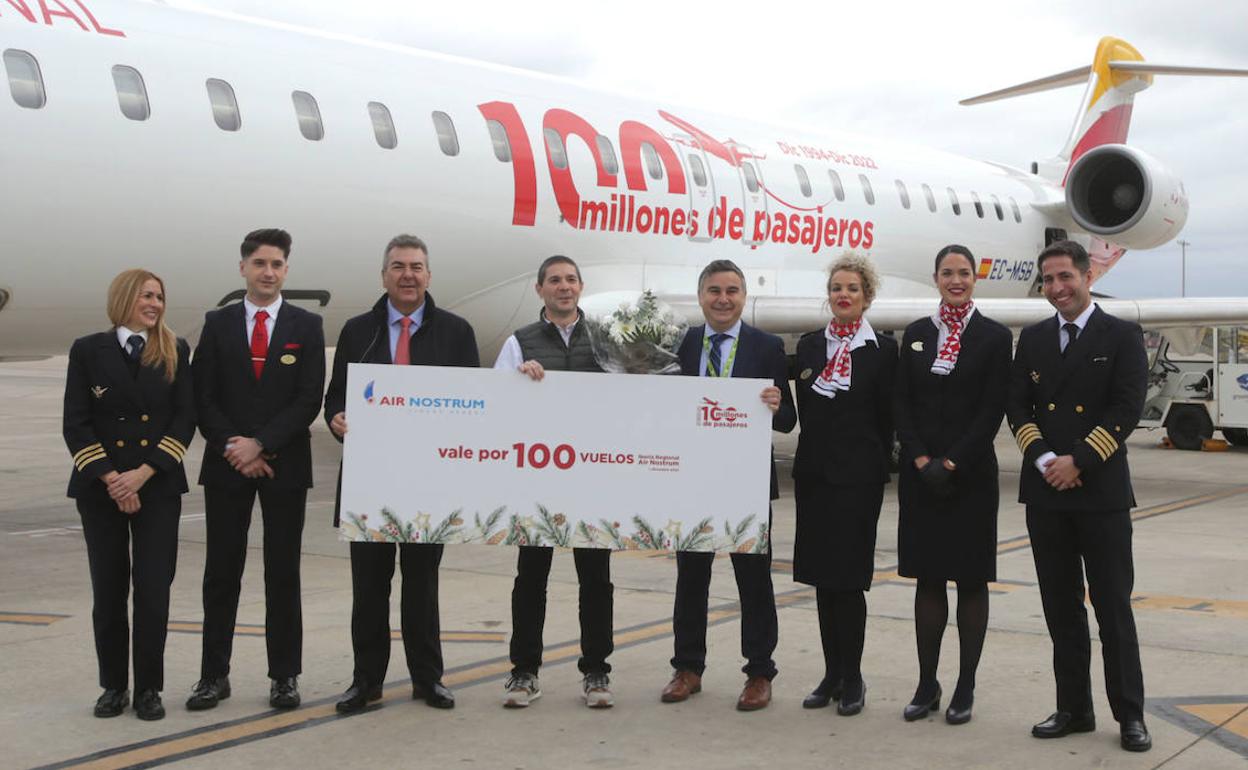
1126	197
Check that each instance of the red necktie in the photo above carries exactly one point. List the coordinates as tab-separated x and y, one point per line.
259	342
402	351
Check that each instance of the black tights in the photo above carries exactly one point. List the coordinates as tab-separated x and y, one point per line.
842	629
931	614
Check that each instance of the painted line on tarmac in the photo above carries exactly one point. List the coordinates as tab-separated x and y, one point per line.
223	735
30	618
1222	719
257	629
71	528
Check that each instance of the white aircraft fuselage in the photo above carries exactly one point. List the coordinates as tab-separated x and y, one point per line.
90	192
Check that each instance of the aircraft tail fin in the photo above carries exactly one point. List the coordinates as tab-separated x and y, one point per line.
1117	73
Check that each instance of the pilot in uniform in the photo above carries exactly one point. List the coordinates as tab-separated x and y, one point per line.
1077	390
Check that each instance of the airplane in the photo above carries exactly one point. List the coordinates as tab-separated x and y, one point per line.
139	134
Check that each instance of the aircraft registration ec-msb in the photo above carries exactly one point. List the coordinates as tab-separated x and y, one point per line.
139	134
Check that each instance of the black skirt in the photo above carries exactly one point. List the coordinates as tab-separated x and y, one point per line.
953	538
836	525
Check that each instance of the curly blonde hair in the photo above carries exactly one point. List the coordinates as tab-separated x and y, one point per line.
860	264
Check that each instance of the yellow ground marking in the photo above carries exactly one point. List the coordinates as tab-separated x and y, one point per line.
1232	717
253	629
30	618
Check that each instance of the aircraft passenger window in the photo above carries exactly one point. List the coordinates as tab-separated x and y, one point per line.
607	151
1018	216
867	192
837	187
931	199
383	125
979	207
996	204
803	180
447	139
309	116
751	178
224	105
903	193
953	202
131	94
697	170
25	80
653	165
498	136
554	145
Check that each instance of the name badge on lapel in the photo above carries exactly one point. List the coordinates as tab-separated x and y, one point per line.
1100	359
289	358
917	346
805	375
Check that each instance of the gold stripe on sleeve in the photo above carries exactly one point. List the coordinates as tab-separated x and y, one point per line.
86	450
86	460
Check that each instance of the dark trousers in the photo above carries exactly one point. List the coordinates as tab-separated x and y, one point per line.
372	569
528	608
1066	544
759	627
152	536
228	519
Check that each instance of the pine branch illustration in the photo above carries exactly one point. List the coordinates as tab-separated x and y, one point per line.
763	544
647	537
556	531
446	529
613	531
699	537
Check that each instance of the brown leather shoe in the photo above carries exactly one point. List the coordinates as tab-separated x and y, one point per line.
683	684
756	695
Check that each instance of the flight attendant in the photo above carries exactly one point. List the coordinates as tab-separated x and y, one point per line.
952	381
844	403
129	415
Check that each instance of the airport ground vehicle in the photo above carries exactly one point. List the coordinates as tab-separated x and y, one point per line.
1193	394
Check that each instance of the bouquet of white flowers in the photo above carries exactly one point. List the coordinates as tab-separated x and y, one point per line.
639	337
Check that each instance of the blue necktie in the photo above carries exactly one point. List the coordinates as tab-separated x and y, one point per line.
713	357
134	346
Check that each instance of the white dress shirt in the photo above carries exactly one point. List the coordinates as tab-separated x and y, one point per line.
1063	339
250	308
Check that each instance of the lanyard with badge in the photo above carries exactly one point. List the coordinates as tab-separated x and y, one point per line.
727	364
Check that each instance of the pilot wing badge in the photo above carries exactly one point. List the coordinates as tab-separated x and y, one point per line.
98	391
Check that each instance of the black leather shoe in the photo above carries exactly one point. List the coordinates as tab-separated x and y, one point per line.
147	706
821	696
284	693
207	693
917	709
357	696
848	707
957	715
111	703
1063	723
1135	736
435	694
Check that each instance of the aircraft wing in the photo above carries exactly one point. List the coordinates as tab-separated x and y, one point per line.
791	315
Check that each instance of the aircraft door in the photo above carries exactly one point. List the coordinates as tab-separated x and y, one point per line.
701	186
753	193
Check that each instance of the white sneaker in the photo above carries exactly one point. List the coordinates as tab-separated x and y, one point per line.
522	690
598	691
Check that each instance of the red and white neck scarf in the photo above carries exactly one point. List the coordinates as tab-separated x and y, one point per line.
950	321
842	340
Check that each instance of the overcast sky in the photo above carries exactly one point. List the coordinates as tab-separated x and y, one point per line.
889	69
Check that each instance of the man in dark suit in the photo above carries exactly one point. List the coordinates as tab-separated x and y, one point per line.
404	327
259	374
1076	392
726	347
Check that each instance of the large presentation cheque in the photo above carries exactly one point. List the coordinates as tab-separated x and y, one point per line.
623	461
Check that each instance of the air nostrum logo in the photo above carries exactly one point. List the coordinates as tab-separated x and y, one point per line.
423	402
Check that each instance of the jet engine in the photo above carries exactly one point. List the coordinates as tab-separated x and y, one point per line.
1126	196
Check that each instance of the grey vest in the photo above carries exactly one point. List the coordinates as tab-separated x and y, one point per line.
542	342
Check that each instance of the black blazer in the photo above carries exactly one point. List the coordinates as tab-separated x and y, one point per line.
443	339
114	421
1084	404
276	410
760	355
847	439
957	415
